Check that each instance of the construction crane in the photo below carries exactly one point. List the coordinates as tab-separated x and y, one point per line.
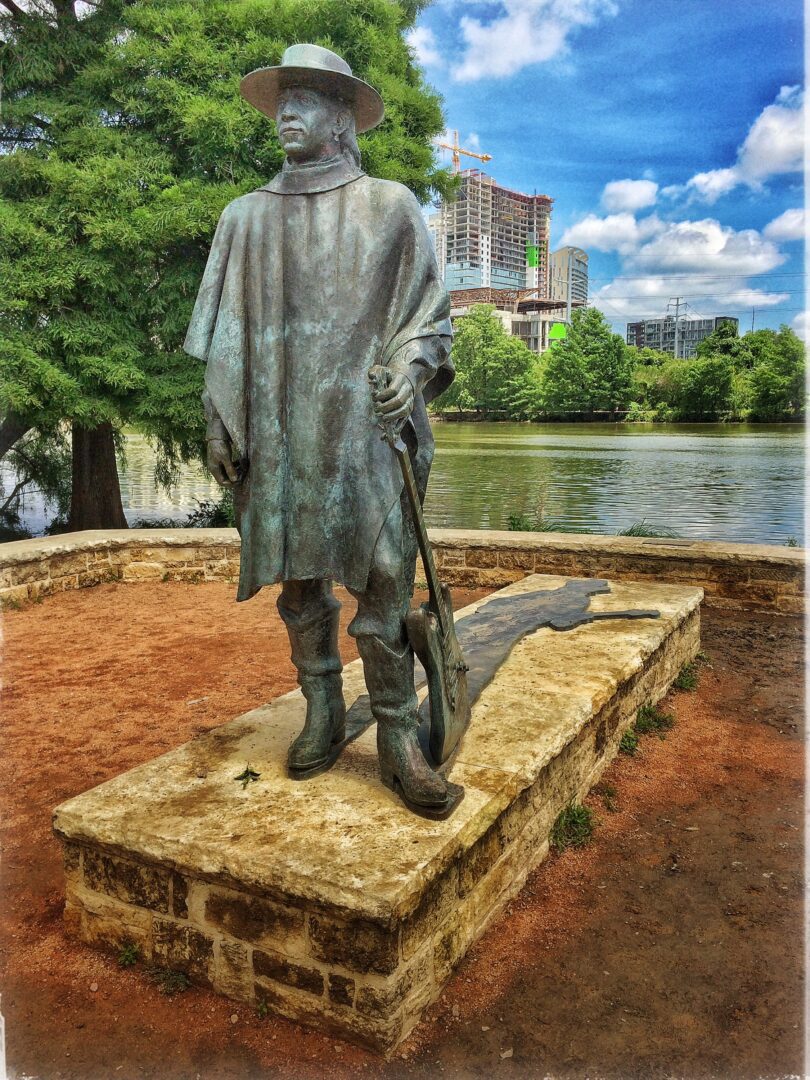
457	150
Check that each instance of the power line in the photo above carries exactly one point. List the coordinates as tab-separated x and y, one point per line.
694	296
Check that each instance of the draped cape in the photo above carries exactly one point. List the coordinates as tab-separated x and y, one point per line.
302	293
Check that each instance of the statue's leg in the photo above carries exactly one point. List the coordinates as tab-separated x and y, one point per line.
311	614
382	642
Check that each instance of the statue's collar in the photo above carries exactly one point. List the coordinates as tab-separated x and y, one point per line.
313	177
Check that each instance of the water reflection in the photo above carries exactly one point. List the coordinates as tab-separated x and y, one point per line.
726	482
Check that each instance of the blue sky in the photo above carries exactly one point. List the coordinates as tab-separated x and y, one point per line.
668	132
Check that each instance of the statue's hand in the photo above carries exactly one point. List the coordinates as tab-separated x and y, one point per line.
394	401
220	463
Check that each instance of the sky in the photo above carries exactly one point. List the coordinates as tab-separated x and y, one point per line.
668	132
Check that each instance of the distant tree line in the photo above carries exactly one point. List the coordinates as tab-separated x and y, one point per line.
593	374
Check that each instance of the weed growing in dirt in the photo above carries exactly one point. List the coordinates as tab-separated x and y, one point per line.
249	776
129	955
629	743
650	720
169	982
573	827
12	605
791	542
703	658
608	793
687	678
261	1009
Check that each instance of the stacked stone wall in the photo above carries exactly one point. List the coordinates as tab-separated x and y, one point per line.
750	577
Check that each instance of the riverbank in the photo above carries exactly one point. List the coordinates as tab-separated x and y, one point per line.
667	946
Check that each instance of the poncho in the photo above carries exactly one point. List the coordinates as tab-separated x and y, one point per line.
310	281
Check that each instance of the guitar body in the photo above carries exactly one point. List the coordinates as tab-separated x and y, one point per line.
446	672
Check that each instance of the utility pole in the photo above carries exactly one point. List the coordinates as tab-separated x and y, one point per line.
753	313
677	301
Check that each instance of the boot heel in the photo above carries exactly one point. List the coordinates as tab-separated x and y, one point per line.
387	775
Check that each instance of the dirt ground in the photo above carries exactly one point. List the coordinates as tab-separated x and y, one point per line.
670	946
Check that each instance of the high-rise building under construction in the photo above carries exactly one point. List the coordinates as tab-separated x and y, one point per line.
491	237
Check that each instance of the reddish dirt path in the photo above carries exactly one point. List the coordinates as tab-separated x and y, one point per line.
670	946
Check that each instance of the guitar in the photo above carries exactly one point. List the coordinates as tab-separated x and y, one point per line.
431	628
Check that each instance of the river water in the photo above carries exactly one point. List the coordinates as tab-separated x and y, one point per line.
714	481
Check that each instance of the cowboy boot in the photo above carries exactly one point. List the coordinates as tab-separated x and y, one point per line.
403	768
313	639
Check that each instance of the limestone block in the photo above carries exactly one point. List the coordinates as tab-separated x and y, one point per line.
484	557
142	571
180	947
516	560
279	969
254	919
234	970
36	570
451	556
341	989
126	880
357	944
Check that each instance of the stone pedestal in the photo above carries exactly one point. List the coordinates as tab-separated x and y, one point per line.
327	900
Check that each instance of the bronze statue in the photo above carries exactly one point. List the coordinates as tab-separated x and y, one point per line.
312	281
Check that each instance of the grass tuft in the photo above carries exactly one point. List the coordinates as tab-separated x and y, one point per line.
573	827
644	528
129	954
629	743
650	720
687	678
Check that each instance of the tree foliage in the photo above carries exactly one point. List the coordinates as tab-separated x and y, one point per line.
493	369
123	137
589	370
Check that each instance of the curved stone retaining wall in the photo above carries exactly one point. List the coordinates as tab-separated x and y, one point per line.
750	577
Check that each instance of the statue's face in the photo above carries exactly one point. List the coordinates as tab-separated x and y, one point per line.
308	124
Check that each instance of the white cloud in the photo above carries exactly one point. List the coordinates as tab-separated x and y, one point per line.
616	232
706	246
773	146
714	183
522	32
801	324
646	296
629	195
423	42
788	226
704	261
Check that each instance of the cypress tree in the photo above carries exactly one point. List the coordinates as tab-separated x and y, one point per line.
122	137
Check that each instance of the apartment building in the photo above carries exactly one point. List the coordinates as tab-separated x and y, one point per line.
568	273
660	333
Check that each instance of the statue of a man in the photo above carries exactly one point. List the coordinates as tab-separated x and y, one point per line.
311	281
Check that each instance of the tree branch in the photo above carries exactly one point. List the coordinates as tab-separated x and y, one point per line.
12	429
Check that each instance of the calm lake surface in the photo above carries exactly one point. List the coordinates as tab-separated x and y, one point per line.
715	481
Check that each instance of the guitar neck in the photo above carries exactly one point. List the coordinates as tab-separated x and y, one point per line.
436	597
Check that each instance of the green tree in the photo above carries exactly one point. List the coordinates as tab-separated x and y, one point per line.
494	371
589	370
698	389
777	381
123	137
726	342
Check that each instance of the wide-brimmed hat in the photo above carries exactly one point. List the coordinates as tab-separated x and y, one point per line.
310	65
